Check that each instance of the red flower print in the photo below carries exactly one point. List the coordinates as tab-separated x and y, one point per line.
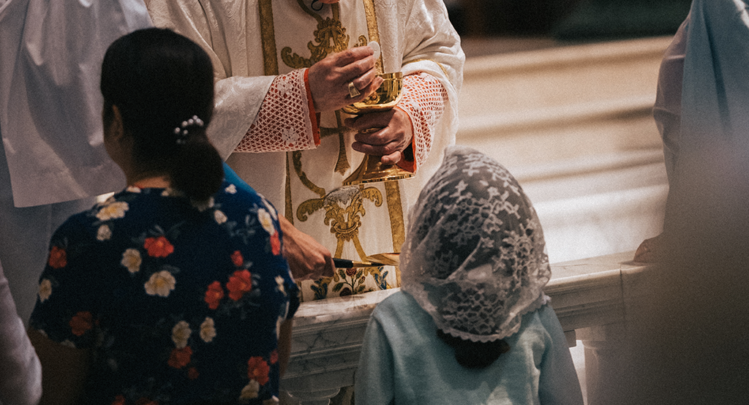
158	247
192	373
57	258
214	294
146	401
237	258
345	292
180	357
257	369
81	323
238	284
275	244
351	271
119	400
274	357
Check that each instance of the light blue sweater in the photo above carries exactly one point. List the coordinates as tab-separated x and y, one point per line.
404	362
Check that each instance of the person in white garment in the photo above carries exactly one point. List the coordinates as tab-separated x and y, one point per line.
52	158
21	373
283	71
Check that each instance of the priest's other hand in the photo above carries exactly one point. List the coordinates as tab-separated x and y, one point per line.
393	137
308	260
329	78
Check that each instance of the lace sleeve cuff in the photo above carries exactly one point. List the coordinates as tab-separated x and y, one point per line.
423	100
287	119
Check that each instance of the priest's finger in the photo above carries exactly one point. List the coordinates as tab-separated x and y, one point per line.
352	55
392	158
363	93
371	120
377	150
363	81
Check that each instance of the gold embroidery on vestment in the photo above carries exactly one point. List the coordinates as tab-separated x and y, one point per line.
344	221
342	164
297	159
372	30
268	36
330	36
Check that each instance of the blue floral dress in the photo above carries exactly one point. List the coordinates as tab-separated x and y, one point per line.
181	303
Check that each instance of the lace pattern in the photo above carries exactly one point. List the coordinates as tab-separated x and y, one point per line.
286	120
474	256
424	100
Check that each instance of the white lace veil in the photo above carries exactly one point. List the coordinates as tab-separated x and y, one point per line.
474	257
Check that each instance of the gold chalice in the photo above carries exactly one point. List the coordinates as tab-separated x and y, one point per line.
385	98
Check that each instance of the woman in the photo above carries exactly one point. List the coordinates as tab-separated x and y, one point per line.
173	291
472	324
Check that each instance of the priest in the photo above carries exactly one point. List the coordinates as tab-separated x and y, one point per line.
283	71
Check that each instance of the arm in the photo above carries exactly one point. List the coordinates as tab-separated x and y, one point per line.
284	346
308	260
558	383
20	374
65	370
375	384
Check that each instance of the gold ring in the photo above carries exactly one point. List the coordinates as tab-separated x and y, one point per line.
352	90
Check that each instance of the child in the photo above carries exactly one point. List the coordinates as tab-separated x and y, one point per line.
472	324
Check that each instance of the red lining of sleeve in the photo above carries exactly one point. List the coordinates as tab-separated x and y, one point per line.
312	113
409	165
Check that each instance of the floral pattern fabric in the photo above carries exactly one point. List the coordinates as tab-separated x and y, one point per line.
180	302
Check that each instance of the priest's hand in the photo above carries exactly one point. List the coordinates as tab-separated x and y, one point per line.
308	260
331	78
393	137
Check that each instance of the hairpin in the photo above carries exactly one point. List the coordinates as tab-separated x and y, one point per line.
182	131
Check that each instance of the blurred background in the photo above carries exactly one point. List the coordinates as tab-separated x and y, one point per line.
561	93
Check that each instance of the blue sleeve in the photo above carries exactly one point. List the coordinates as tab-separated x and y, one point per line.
232	177
375	382
558	383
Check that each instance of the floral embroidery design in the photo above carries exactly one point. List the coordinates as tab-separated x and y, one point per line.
180	334
161	284
131	260
239	284
232	189
45	289
237	258
214	294
250	390
114	210
207	330
57	258
279	283
266	221
257	369
219	216
81	323
180	357
275	244
158	246
103	233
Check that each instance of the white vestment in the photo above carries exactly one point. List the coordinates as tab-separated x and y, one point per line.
252	41
50	123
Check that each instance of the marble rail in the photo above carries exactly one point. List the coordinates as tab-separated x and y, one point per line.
588	295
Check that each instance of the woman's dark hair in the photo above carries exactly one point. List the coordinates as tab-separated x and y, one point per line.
474	354
158	80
